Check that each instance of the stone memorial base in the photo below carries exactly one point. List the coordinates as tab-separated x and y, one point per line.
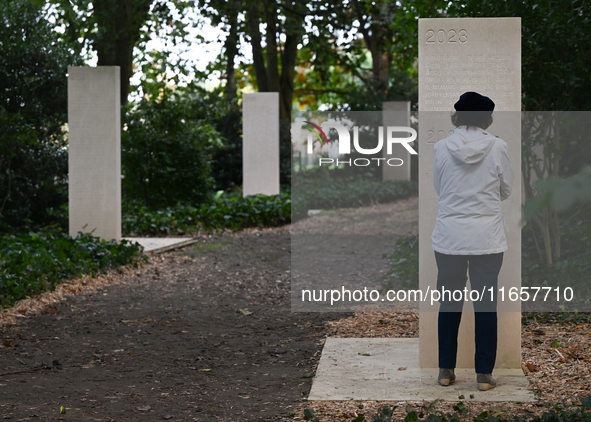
388	369
161	244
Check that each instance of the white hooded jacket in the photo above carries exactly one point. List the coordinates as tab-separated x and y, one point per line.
472	175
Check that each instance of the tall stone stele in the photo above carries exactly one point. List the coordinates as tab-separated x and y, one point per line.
456	56
94	151
260	143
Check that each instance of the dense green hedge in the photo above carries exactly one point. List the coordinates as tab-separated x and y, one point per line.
345	193
232	213
236	213
165	154
37	261
33	157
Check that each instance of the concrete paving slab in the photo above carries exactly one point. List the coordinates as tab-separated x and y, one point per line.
161	244
388	369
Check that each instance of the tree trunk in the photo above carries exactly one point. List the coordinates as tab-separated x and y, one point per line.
119	24
378	39
556	233
272	49
271	77
231	52
253	20
544	228
288	62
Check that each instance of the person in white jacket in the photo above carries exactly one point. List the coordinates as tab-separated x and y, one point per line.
472	174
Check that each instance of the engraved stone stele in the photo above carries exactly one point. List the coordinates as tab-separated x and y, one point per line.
456	56
260	143
94	151
396	113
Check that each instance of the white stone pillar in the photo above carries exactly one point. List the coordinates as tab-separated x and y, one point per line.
94	151
396	113
455	56
260	143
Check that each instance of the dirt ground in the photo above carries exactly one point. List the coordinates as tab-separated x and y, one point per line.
207	334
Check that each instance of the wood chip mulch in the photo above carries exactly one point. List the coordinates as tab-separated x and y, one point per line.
556	359
44	302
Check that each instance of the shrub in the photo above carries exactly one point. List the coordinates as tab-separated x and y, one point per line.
226	118
226	164
572	270
232	213
33	158
574	266
33	262
165	154
322	190
404	264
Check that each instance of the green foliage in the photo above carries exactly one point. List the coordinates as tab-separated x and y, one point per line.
320	189
574	266
33	159
374	60
555	76
404	264
384	414
226	118
560	194
201	106
574	318
118	30
555	49
232	213
226	165
37	261
165	154
309	415
401	87
427	414
573	269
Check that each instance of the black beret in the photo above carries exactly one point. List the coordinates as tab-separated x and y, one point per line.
473	101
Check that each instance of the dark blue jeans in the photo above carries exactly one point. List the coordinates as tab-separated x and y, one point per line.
452	275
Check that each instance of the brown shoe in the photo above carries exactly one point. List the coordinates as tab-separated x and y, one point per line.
446	376
485	382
